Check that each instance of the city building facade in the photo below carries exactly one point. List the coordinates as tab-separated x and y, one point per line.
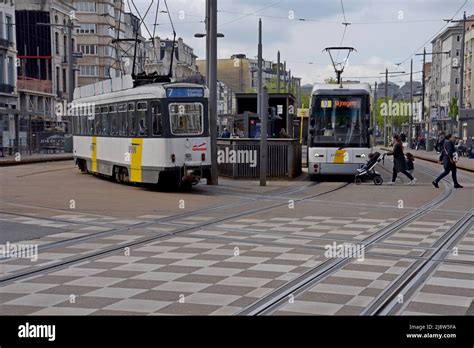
158	58
100	24
445	77
8	59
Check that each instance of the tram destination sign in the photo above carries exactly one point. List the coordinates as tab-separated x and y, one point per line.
185	92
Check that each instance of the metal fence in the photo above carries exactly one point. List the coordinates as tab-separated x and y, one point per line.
239	158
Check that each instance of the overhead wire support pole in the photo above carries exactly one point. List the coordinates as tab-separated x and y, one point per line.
278	73
263	110
389	109
410	117
212	76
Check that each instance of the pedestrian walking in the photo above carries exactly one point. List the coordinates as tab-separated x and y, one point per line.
448	159
399	161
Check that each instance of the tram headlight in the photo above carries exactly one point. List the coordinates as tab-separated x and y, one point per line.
203	157
173	158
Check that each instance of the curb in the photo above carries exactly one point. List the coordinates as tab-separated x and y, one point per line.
416	155
8	163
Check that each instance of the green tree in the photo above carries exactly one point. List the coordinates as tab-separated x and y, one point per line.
330	80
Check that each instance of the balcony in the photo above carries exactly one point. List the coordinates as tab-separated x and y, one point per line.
4	88
34	85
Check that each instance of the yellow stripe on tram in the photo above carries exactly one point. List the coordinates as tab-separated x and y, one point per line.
94	154
339	156
136	160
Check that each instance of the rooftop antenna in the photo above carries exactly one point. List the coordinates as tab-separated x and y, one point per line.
339	66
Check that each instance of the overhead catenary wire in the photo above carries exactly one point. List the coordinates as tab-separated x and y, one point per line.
249	14
432	37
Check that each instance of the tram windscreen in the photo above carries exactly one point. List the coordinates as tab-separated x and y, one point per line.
338	121
186	118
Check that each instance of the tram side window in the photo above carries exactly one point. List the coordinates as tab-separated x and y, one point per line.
156	119
83	121
123	121
73	122
105	120
132	120
142	124
114	124
94	122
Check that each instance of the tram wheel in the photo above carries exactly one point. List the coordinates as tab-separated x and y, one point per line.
82	166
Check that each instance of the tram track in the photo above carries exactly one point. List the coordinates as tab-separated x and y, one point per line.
276	298
413	278
141	241
113	229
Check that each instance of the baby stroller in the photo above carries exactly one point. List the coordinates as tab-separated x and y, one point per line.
368	171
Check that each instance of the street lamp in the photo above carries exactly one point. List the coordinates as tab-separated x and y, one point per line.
201	35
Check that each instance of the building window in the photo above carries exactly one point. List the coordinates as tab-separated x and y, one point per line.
65	47
1	25
458	38
86	28
108	30
56	41
456	80
88	49
11	80
2	78
109	9
9	24
85	6
57	80
64	80
88	70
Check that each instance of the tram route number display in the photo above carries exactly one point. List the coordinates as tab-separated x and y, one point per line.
328	103
180	92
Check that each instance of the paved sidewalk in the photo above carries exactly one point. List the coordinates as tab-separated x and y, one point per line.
35	158
432	156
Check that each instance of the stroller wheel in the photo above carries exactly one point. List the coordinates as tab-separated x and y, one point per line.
378	180
358	180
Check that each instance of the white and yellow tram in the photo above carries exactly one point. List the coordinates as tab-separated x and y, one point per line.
153	133
339	131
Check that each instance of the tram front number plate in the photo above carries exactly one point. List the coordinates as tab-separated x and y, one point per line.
188	157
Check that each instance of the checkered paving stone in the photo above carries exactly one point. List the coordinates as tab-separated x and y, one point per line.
80	225
62	253
349	290
180	275
449	291
421	233
347	228
467	242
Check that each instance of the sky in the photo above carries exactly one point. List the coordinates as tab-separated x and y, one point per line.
385	33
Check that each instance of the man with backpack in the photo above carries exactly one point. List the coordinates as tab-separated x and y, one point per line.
448	158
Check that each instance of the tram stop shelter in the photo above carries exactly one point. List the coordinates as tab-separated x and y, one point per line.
284	151
281	115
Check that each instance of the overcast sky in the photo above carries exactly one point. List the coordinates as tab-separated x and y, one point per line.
384	32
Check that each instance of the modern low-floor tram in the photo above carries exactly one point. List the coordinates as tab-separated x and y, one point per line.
339	130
